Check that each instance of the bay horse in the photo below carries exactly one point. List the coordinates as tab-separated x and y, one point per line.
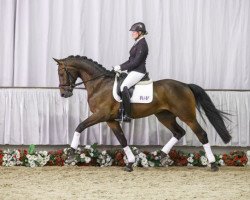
171	99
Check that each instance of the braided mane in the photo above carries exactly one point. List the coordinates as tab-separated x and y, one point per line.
94	64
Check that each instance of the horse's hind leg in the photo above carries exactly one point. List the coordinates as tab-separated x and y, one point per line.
202	136
169	120
116	128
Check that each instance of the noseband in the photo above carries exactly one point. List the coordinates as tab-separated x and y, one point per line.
70	79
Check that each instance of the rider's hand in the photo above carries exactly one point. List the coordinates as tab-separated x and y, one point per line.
117	68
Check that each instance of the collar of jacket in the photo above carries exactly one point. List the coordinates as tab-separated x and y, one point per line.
138	40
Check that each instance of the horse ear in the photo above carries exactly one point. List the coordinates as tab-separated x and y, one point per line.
58	61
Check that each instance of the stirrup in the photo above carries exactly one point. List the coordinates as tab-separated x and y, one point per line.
123	118
120	116
126	118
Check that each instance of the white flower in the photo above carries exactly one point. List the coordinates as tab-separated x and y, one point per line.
19	162
47	158
142	155
157	158
65	150
190	159
144	162
87	159
221	162
191	155
104	152
45	153
151	164
32	164
134	148
82	155
11	163
189	164
87	147
73	163
248	153
203	160
17	154
154	153
5	157
91	154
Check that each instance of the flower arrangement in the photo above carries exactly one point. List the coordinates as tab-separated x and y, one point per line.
197	159
118	156
235	158
57	158
91	156
179	158
153	158
36	159
104	159
11	158
1	157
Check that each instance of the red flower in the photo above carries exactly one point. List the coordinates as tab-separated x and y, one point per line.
197	156
173	154
183	162
119	156
25	152
60	152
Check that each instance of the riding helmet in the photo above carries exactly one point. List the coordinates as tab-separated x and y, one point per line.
139	26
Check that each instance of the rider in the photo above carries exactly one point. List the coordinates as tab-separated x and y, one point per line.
135	67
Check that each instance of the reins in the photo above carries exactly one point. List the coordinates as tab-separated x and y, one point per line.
73	85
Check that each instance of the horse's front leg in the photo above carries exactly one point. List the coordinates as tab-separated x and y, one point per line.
95	118
116	128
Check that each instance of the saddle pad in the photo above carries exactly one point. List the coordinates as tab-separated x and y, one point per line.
143	93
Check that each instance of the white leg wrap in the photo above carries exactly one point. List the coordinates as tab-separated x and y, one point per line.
75	141
129	154
209	153
169	145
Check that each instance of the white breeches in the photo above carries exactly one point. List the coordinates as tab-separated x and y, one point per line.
132	78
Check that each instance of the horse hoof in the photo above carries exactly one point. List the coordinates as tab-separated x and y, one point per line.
71	157
214	167
129	167
165	159
70	160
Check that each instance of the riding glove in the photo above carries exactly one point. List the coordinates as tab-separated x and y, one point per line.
117	68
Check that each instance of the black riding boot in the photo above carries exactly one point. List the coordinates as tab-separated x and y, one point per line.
125	108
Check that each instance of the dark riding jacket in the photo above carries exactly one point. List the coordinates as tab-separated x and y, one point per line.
137	58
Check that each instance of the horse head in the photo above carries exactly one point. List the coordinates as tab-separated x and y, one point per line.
72	67
67	78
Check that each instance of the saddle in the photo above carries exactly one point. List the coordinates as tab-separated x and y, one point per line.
122	77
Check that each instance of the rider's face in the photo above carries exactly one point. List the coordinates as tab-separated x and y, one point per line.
135	34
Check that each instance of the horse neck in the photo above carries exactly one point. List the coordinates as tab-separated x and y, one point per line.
92	77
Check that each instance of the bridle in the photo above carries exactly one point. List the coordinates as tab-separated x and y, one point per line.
70	79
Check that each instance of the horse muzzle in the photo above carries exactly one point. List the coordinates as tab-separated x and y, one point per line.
66	94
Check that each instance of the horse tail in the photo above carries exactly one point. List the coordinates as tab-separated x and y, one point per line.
214	115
